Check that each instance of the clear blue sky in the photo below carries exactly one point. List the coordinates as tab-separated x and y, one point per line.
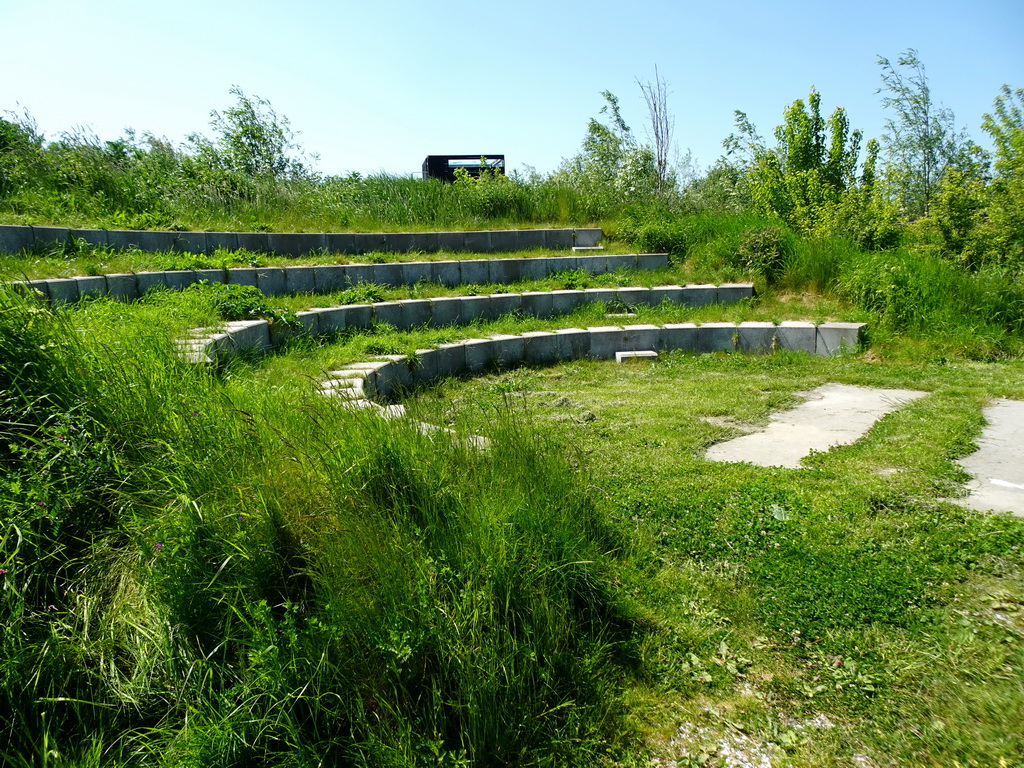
376	85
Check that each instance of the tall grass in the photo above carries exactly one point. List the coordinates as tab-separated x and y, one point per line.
198	572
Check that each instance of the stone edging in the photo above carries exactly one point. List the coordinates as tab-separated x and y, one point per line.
337	277
15	238
448	310
392	374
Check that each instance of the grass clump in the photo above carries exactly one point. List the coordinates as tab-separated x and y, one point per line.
225	574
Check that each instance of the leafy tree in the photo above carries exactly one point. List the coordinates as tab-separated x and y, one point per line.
810	169
921	140
612	169
251	140
1006	212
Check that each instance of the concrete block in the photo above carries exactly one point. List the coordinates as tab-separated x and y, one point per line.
426	242
605	341
588	237
358	315
640	354
340	242
415	272
502	304
296	243
51	237
192	242
401	242
537	303
415	313
451	360
62	290
604	295
508	350
38	288
797	336
180	279
634	296
389	312
542	347
95	237
641	337
681	336
147	281
258	242
451	241
271	281
360	273
300	280
621	261
396	378
700	295
651	261
558	264
534	269
424	368
329	278
446	310
756	338
244	276
835	338
155	241
479	355
15	238
474	272
593	265
310	320
122	239
446	273
733	293
249	334
566	302
228	241
504	270
475	308
666	294
91	286
717	337
559	238
369	242
389	273
478	242
503	240
532	238
575	343
123	286
331	320
211	276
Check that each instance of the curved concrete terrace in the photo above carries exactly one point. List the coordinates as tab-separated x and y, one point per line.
329	278
15	238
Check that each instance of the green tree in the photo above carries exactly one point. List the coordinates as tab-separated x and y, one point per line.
1005	124
921	139
810	169
251	140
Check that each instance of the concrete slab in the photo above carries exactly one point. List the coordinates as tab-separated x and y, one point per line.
836	338
832	414
757	337
474	271
329	278
796	335
451	241
388	274
123	286
505	304
638	355
300	279
537	303
998	464
15	238
244	276
651	261
331	320
415	272
415	313
681	336
446	310
93	285
389	312
479	355
505	270
271	281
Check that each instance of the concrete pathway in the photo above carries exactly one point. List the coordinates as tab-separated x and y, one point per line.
998	464
833	414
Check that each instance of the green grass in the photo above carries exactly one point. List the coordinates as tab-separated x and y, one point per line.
221	567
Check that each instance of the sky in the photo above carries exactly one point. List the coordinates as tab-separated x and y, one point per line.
376	85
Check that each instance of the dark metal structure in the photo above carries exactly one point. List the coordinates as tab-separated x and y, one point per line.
443	166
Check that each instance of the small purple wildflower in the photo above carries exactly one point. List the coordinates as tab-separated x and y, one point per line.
40	504
3	571
158	546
